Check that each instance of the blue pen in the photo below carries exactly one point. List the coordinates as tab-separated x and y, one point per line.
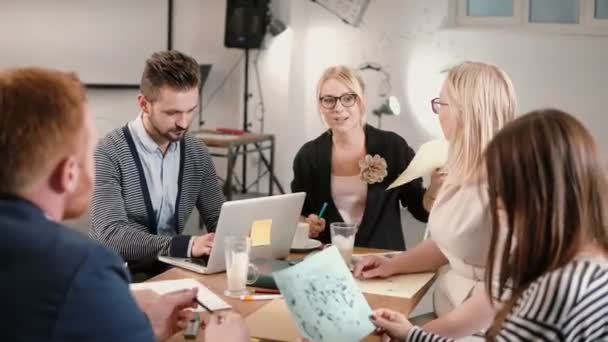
322	211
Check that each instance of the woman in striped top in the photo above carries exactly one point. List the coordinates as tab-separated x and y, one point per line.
549	260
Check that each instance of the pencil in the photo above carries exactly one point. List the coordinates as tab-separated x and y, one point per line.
322	211
251	298
203	305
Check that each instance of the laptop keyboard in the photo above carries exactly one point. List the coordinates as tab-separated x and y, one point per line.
200	261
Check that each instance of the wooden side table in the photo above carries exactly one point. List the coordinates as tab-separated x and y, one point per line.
231	146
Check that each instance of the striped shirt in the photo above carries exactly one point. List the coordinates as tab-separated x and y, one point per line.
122	214
568	304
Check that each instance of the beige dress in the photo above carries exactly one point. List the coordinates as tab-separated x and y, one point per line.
349	194
460	224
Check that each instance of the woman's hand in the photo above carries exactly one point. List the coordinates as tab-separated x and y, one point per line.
392	323
437	179
317	225
373	266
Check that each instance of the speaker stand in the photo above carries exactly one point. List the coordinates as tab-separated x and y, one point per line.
245	118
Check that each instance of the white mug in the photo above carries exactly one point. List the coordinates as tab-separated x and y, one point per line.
300	239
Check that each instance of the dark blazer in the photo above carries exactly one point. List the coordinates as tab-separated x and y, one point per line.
381	223
57	285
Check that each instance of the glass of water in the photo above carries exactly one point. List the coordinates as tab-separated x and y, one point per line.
239	271
343	237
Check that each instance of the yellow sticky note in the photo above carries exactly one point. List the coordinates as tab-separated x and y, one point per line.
260	233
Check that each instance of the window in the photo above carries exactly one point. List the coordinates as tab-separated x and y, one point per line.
487	12
601	9
554	11
562	16
595	14
490	8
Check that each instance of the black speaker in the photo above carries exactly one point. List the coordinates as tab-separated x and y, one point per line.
246	22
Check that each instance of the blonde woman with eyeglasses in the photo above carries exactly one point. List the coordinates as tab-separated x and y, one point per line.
348	168
475	102
549	243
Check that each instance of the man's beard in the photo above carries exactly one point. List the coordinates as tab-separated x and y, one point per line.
175	135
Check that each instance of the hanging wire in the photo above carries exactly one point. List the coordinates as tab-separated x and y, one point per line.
259	114
260	105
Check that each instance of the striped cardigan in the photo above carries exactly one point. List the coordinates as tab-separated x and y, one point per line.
568	304
122	215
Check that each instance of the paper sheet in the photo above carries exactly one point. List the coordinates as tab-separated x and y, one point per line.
403	286
261	233
430	156
204	294
324	299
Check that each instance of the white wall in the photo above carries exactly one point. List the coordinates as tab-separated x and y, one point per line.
566	71
405	36
408	38
85	36
198	30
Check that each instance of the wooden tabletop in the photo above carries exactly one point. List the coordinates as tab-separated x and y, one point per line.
213	138
217	284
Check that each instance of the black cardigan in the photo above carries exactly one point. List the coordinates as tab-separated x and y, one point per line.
381	223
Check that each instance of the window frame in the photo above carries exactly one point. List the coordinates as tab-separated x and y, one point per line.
553	27
588	15
587	23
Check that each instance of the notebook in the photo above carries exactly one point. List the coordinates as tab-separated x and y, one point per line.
204	295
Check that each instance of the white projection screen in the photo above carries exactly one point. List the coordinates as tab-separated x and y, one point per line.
105	41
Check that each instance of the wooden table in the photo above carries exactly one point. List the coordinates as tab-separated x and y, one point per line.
231	146
217	284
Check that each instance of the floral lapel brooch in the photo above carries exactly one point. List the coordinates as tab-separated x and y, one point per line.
372	169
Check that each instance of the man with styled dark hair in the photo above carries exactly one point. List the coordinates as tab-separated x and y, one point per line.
151	173
57	285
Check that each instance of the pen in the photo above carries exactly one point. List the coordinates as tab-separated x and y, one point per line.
322	211
203	305
251	298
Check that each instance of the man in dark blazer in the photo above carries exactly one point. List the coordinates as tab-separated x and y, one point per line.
55	284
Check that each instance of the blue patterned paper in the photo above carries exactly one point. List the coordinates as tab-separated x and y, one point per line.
324	299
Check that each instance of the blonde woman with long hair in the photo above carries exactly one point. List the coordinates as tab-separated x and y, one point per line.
350	165
549	243
475	102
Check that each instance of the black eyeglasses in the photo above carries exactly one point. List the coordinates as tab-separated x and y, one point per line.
329	102
436	105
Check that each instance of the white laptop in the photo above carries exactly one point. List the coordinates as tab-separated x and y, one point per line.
237	217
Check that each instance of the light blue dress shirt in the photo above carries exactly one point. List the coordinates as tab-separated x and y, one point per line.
161	172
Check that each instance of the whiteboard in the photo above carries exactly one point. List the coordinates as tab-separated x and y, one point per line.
104	41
